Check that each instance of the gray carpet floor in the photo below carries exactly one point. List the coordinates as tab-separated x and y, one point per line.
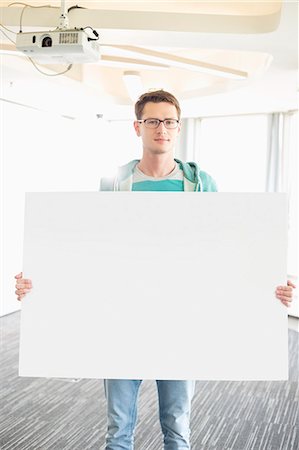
47	414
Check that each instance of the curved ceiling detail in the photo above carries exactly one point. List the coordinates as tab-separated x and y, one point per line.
208	17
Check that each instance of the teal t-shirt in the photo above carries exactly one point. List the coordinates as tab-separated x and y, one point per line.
172	182
159	185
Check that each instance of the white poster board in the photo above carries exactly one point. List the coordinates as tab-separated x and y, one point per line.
155	285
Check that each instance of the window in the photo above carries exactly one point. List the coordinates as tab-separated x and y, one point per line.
234	151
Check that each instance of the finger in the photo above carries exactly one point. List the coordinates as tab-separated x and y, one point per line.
289	283
19	275
21	284
285	299
284	288
284	293
22	291
24	282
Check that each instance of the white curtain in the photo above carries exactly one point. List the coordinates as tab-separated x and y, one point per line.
282	176
273	153
280	152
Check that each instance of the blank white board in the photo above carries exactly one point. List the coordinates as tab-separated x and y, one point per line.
154	285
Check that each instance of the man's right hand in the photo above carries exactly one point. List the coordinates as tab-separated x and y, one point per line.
23	286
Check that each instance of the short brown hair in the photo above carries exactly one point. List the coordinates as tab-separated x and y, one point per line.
156	97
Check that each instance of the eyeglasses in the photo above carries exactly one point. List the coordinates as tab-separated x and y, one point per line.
155	123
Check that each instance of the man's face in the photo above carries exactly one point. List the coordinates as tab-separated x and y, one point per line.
158	140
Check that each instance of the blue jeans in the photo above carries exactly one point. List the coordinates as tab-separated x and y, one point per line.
174	411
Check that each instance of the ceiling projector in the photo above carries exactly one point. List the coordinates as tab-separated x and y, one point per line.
72	46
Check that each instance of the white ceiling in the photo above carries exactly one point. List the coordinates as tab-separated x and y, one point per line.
230	34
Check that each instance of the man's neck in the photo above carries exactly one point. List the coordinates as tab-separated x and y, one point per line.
157	166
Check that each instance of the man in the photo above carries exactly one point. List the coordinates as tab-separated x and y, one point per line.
158	124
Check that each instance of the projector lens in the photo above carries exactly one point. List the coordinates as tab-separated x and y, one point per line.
47	41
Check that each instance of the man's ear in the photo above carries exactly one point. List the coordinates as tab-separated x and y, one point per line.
137	128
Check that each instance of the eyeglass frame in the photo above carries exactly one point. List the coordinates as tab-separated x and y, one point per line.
160	121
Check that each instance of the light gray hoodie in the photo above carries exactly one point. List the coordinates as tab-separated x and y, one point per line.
194	178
